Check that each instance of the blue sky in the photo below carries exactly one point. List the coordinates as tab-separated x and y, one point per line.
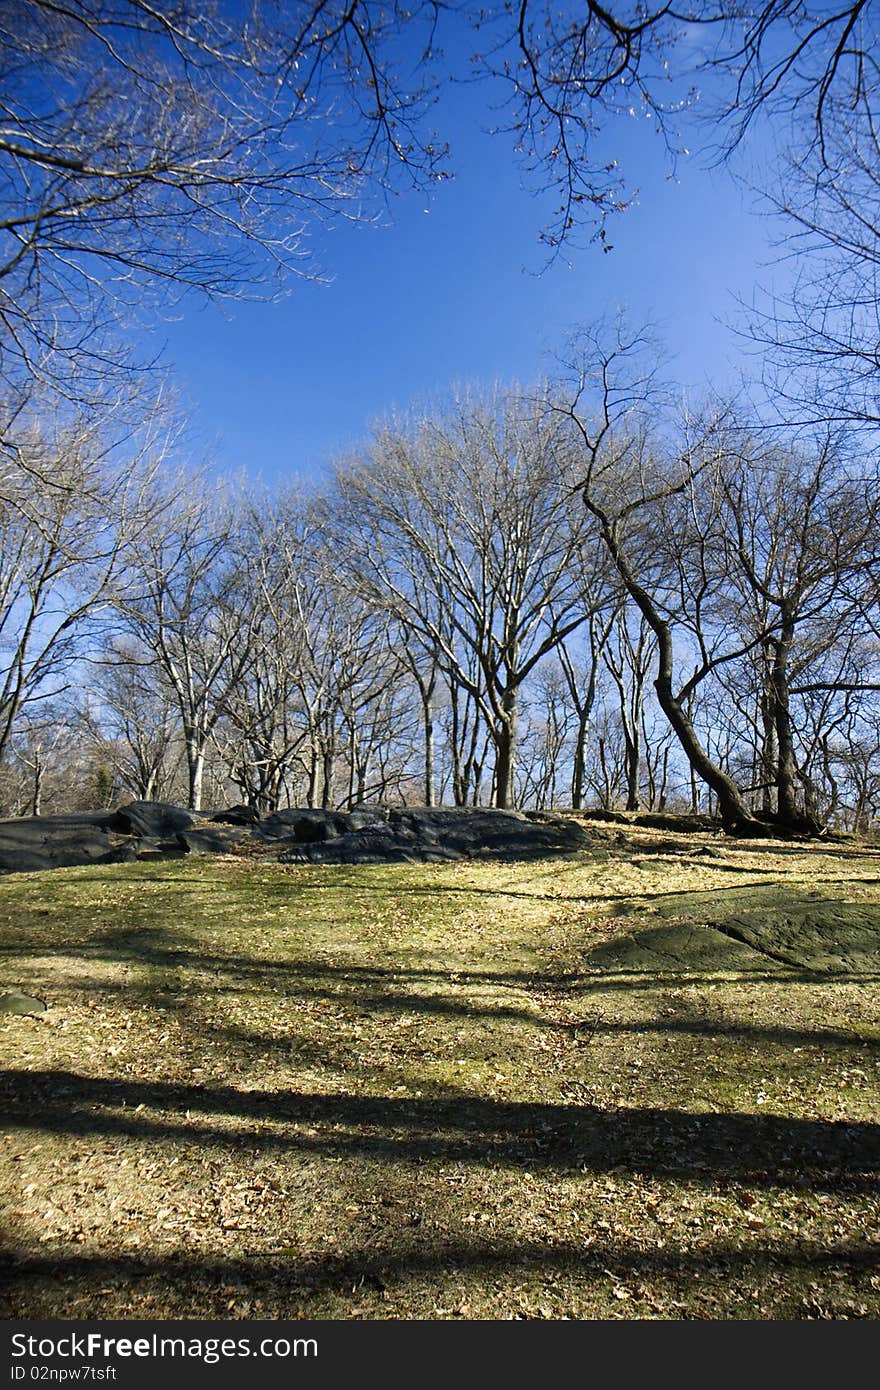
451	290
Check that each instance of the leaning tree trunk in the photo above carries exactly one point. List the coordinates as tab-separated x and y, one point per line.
735	814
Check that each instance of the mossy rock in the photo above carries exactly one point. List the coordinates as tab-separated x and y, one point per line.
679	947
821	936
21	1004
836	937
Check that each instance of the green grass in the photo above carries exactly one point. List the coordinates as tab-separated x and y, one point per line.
545	1090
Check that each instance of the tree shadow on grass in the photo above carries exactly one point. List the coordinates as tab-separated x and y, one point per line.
263	1042
425	991
762	1150
160	948
399	1259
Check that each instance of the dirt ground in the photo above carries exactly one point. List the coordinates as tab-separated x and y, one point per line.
636	1082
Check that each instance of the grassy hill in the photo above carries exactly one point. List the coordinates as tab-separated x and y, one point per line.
636	1082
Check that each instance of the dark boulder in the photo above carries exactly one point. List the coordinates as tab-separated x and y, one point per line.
364	845
365	835
480	833
298	824
683	823
101	820
235	815
307	825
361	817
814	934
433	835
215	839
154	818
33	843
151	847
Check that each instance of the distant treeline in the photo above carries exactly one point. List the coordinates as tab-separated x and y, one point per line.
564	597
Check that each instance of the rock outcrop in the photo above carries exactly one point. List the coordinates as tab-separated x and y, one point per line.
422	834
365	835
57	842
155	818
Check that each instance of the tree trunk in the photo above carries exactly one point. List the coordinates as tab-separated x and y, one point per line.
606	791
786	772
504	738
475	772
352	760
579	768
768	766
363	769
195	762
633	768
661	800
459	784
584	710
428	711
788	816
312	793
834	800
328	767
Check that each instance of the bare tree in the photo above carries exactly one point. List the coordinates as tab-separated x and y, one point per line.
803	540
133	720
41	750
147	150
61	549
624	480
549	722
423	662
582	682
732	553
264	732
188	606
246	121
821	332
627	657
326	698
151	149
571	74
470	517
